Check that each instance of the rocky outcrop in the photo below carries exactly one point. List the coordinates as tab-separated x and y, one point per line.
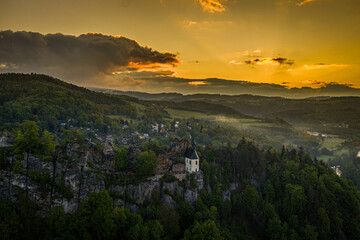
163	163
180	167
81	169
179	146
108	150
133	153
7	140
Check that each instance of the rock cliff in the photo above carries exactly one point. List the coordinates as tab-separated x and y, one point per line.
80	169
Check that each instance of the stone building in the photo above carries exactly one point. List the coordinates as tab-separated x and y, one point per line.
192	163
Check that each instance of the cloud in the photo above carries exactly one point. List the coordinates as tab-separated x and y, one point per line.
212	6
252	53
197	83
189	23
206	25
77	58
151	83
315	82
304	2
157	84
144	74
266	61
324	65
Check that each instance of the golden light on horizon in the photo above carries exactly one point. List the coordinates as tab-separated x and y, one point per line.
197	83
258	41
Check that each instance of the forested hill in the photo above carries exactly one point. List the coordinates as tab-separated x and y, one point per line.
47	101
332	110
74	184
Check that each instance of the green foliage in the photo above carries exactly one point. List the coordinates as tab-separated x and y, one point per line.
205	231
99	212
156	230
193	183
48	101
18	168
170	220
275	195
169	178
146	163
250	197
274	228
121	159
28	139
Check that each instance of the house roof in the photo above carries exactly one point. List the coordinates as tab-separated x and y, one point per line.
191	153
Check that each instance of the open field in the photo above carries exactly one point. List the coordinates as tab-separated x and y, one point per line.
332	143
182	114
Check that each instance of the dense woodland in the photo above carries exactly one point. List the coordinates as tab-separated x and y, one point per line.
249	193
280	195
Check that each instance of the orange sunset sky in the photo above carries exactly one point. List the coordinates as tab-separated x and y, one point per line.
294	43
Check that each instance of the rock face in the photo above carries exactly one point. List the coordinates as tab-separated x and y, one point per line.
180	167
163	163
179	146
7	140
133	153
108	150
82	169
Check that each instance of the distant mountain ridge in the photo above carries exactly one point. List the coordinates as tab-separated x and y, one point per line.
312	110
156	84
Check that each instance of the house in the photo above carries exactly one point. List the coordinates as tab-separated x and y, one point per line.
162	127
192	161
337	170
314	134
155	127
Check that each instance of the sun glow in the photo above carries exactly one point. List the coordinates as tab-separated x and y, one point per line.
197	83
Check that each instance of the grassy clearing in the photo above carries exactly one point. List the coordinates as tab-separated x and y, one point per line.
324	158
332	143
182	114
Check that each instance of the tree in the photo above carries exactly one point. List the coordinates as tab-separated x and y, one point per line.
170	220
27	141
99	214
138	232
250	197
146	163
57	222
156	230
295	201
274	228
186	212
323	223
47	144
206	231
269	192
121	159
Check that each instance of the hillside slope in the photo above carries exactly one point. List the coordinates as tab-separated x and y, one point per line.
334	111
47	101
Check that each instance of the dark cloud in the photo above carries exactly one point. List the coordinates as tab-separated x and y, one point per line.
147	74
277	61
76	57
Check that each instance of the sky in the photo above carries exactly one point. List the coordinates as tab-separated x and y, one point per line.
177	45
